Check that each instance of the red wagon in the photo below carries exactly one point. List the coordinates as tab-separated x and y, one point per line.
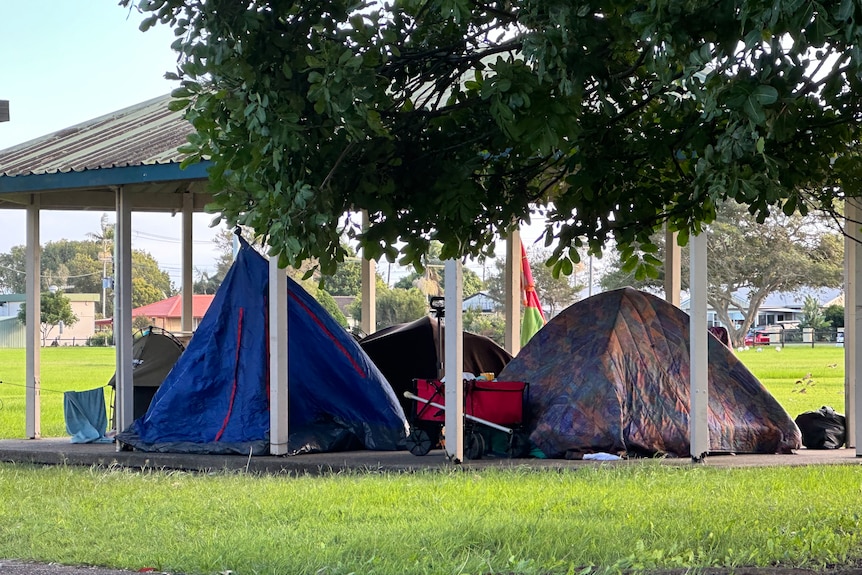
497	405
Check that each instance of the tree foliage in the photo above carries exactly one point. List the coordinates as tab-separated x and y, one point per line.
74	266
834	314
812	315
454	119
431	280
55	308
209	284
394	306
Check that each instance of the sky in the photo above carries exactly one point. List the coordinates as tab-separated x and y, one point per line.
63	63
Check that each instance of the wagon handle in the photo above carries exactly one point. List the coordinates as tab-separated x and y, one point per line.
491	424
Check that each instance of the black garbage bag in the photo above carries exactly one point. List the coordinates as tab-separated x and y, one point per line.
822	429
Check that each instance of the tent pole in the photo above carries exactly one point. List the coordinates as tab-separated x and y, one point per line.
698	334
454	360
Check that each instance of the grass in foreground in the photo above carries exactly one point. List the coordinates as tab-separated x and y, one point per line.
610	518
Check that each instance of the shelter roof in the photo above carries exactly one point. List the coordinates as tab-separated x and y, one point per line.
146	133
136	147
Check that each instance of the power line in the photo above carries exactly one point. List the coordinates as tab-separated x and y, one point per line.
13	270
166	239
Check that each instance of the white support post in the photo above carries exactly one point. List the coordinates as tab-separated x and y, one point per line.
33	265
853	325
512	288
454	354
187	319
699	398
278	377
672	268
369	288
123	311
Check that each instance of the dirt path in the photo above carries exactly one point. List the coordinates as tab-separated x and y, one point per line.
12	567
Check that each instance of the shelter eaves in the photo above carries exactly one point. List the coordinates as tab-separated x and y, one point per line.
136	147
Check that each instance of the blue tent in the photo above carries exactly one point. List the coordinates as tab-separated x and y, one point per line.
216	398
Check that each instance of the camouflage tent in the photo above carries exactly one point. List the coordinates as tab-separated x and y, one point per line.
611	374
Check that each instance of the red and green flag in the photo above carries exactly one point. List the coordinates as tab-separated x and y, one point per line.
534	317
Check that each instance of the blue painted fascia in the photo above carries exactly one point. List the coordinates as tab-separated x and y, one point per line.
103	177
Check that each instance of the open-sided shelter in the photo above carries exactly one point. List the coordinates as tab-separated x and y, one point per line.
612	374
216	399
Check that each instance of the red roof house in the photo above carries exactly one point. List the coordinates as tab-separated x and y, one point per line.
167	314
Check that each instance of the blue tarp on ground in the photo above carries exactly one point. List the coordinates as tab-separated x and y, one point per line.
216	398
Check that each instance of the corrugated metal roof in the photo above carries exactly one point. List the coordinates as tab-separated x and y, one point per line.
144	134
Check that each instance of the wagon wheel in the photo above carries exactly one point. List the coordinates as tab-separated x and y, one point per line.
519	445
418	442
475	447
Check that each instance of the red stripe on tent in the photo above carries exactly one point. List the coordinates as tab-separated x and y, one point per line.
350	358
235	377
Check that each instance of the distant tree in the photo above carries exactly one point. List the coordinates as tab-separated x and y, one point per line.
432	282
12	277
327	302
555	293
394	306
55	308
145	293
140	322
491	325
209	283
347	279
834	314
812	315
782	253
146	268
75	267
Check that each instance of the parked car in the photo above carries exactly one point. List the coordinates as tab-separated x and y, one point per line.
753	338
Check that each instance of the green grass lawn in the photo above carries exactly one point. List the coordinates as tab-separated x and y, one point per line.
801	378
604	519
63	369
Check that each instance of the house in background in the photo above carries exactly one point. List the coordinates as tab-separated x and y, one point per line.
782	309
167	313
12	331
482	302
